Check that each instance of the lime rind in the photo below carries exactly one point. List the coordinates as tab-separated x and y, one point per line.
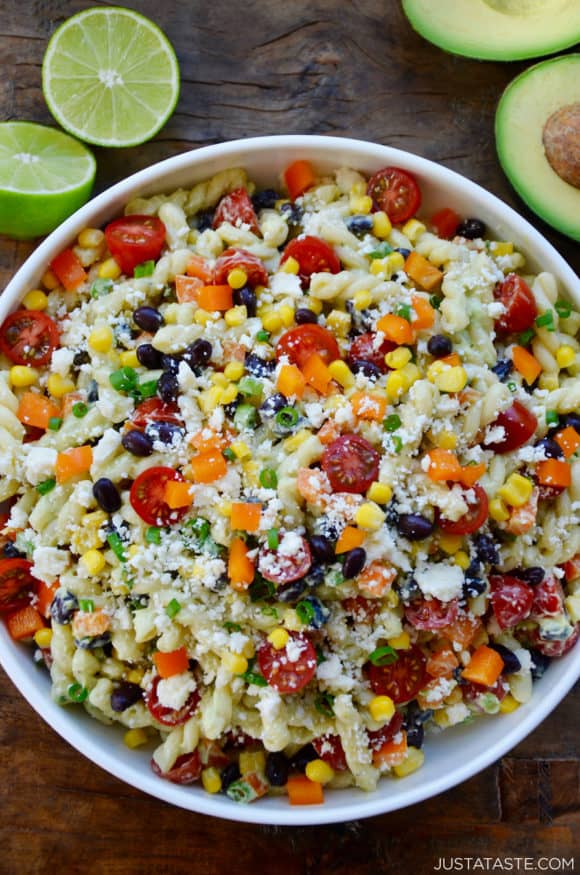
108	88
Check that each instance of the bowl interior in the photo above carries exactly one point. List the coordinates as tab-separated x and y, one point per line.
455	754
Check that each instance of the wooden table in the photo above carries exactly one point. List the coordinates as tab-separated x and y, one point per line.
299	66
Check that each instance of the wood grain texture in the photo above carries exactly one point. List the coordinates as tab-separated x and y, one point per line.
344	67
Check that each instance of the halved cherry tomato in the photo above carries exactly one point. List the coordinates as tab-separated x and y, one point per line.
135	239
290	669
396	192
474	518
329	748
68	269
281	567
445	223
555	649
379	737
364	348
246	261
401	680
350	463
519	302
360	609
185	770
236	208
29	337
155	410
548	598
169	716
313	256
511	600
299	343
147	496
518	423
471	690
16	584
431	614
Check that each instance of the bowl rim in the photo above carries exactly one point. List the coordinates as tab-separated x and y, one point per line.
73	731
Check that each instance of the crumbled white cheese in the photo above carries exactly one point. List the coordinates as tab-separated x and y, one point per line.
39	463
174	692
442	581
49	563
108	444
61	361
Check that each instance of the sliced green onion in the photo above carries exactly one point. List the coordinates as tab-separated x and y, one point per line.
46	486
124	380
101	287
383	656
263	336
116	544
404	311
87	605
245	417
261	589
526	336
305	612
512	386
546	320
172	609
392	422
200	528
563	309
251	387
382	250
273	539
435	301
148	389
80	409
324	704
320	657
397	443
287	417
77	693
269	610
253	677
146	268
552	417
54	423
232	627
229	454
268	478
153	535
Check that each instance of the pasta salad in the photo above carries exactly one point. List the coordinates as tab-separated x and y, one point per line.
291	478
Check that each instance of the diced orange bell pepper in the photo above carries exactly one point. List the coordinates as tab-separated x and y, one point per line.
302	791
526	364
240	566
23	624
246	516
485	666
198	267
208	467
442	663
73	462
36	410
45	593
187	288
313	485
376	579
470	474
89	624
554	472
329	432
523	518
453	360
366	406
178	494
424	313
572	569
396	329
349	538
463	630
291	381
172	663
316	373
444	465
568	440
422	272
214	298
392	753
299	176
69	270
207	440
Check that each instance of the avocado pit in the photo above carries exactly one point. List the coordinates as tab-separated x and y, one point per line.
561	139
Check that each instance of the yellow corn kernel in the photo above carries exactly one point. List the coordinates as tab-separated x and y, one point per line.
236	316
234	371
109	270
90	238
35	300
549	382
572	605
296	440
135	738
565	355
313	304
369	516
43	637
396	385
290	266
498	511
400	642
413	229
441	719
446	440
335	402
49	280
229	394
209	399
319	771
358	187
341	372
382	226
278	638
452	379
361	204
241	450
235	662
339	322
252	473
450	544
59	386
379	492
462	559
252	761
392	598
128	359
286	314
237	278
410	374
249	649
498	248
436	369
135	676
398	358
454	696
94	561
413	761
202	317
134	550
211	780
382	708
508	704
516	491
22	376
362	300
225	508
101	339
271	321
219	379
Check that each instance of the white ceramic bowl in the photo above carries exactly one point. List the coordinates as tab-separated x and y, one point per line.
456	754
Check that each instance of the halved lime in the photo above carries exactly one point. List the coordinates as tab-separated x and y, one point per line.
110	77
45	176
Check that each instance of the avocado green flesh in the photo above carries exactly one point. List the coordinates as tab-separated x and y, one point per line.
477	30
526	105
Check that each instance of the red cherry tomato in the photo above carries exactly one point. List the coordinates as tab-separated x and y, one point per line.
379	737
548	598
185	770
68	269
135	239
519	426
169	716
350	463
313	256
155	410
290	669
445	223
519	302
239	258
16	584
299	343
396	192
281	567
147	497
431	614
29	337
401	680
364	348
360	609
471	691
511	600
555	649
329	748
237	209
474	518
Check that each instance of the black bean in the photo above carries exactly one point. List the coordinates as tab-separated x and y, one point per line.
203	220
273	405
291	592
230	774
259	367
327	527
81	357
302	757
416	716
539	664
170	363
416	736
573	420
474	586
304	316
149	357
503	369
246	297
472	229
198	353
511	663
533	575
414	526
404	252
486	549
107	495
168	387
124	695
277	769
439	346
359	225
167	433
11	551
551	448
392	515
266	199
137	443
362	366
354	562
315	576
63	608
409	590
148	318
95	643
230	409
92	392
321	548
292	213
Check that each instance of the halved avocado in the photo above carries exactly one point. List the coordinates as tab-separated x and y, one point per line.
537	129
497	30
